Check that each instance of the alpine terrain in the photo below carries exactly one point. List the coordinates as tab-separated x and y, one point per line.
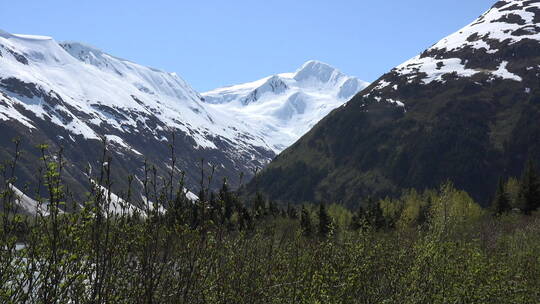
285	106
466	109
73	96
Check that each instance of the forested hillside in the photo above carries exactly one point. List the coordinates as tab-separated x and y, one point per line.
464	110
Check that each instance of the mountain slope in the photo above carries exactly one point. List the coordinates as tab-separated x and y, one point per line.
285	106
70	95
466	109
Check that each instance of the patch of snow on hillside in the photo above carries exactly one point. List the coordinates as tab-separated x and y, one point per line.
430	69
503	73
28	204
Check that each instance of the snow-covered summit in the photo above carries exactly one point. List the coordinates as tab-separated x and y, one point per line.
94	83
493	47
506	23
317	71
285	106
161	83
74	94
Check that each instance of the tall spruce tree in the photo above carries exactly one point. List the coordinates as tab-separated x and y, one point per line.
259	206
273	209
325	221
358	219
228	201
305	222
529	193
291	212
501	203
424	214
374	214
245	221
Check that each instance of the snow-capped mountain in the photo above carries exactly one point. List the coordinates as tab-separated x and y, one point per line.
72	95
285	106
483	49
114	94
465	110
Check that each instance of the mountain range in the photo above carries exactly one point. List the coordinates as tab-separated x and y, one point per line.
72	96
465	110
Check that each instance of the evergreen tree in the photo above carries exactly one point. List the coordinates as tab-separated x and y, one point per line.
228	200
501	203
374	214
273	208
291	212
529	193
215	210
259	206
195	216
325	221
358	219
305	222
245	221
424	214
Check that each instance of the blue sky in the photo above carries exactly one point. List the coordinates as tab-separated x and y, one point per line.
213	43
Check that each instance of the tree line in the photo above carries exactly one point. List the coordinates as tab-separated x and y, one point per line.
431	246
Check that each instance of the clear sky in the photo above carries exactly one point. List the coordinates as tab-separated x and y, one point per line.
212	43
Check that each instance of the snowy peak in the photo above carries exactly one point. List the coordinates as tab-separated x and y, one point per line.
285	106
506	23
27	49
273	85
466	52
86	53
74	95
312	75
90	92
502	44
147	80
317	71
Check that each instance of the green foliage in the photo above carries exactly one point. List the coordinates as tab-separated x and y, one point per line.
374	214
305	222
501	203
529	193
453	209
217	250
340	215
325	221
512	187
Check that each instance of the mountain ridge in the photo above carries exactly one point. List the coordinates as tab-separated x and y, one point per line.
72	96
287	105
73	100
463	110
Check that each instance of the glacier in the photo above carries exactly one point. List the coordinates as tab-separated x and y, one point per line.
285	106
